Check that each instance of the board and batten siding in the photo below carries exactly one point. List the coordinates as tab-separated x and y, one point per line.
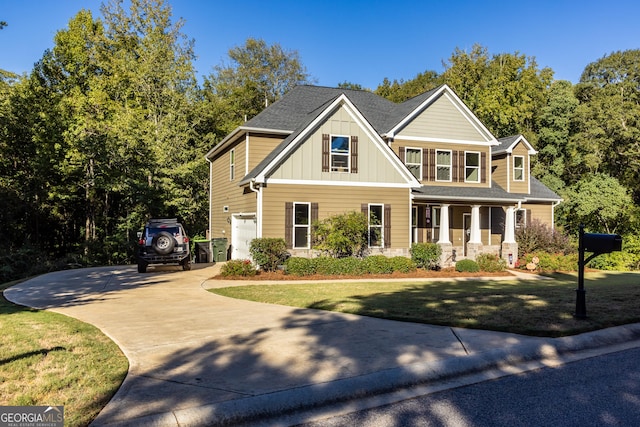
226	192
333	200
443	120
305	162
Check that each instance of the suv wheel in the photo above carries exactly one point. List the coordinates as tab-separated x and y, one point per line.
163	243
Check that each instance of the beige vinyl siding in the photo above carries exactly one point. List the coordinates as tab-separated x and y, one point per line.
499	175
486	149
228	193
521	187
443	120
334	200
260	146
305	162
541	212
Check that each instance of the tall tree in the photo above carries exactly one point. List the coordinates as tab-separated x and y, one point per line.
504	90
607	136
256	76
399	91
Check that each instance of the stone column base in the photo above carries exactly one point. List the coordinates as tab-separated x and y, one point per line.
446	259
510	253
474	249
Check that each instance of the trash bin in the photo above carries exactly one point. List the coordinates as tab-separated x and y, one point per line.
203	251
219	247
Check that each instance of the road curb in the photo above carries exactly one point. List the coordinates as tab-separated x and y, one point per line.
317	395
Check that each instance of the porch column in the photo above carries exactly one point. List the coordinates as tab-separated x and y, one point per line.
474	235
444	224
509	245
510	226
446	259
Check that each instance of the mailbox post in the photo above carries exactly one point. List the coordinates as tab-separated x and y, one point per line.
597	244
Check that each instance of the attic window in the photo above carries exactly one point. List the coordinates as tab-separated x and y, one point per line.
339	154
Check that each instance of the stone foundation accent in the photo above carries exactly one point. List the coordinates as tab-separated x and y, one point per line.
446	258
510	249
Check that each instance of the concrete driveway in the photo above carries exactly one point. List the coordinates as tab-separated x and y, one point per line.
199	358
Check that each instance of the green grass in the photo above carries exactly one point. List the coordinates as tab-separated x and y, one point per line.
540	308
50	359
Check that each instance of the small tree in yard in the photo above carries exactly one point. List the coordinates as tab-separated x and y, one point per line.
342	235
268	253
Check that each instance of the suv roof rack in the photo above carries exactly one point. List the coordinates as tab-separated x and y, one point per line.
163	221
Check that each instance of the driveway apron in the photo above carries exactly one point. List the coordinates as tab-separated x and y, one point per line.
189	348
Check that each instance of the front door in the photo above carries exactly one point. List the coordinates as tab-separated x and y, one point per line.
243	231
466	232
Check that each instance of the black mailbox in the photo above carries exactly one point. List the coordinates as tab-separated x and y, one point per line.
602	243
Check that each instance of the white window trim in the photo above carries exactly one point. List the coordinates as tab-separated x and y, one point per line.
419	164
450	165
331	153
381	226
296	226
516	168
478	167
232	164
523	223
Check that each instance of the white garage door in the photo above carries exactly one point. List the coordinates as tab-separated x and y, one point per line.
243	231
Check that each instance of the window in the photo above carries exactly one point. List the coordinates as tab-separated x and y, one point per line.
443	165
232	164
518	168
413	160
471	166
521	218
376	225
339	154
301	223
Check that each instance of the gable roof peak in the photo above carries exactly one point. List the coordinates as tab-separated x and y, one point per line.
507	144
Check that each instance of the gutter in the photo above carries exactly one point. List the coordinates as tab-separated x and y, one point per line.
258	192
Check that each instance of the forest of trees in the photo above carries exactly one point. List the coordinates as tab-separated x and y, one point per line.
111	127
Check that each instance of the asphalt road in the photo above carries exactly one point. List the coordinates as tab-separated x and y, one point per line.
600	391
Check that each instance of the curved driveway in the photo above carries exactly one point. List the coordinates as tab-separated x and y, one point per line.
199	358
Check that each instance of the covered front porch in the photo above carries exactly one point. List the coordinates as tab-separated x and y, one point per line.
465	230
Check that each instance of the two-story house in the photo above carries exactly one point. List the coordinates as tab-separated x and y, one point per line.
425	170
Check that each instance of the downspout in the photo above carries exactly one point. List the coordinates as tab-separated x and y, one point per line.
258	192
553	214
210	236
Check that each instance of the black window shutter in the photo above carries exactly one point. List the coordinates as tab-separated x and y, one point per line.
325	152
483	167
387	226
354	154
314	218
454	166
288	224
425	164
461	171
401	154
432	164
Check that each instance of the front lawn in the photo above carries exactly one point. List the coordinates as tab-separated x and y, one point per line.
531	307
50	359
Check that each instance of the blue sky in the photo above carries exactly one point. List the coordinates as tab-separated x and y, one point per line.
361	41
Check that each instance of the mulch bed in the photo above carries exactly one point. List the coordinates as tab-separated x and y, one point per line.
418	274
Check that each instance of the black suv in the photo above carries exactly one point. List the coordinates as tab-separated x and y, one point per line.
163	241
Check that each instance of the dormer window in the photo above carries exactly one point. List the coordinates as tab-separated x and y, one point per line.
518	168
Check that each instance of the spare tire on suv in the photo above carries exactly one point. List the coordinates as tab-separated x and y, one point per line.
163	241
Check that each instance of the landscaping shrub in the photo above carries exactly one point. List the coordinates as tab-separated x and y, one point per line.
426	255
551	262
269	252
342	235
537	236
403	264
491	263
298	266
467	266
377	264
238	267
